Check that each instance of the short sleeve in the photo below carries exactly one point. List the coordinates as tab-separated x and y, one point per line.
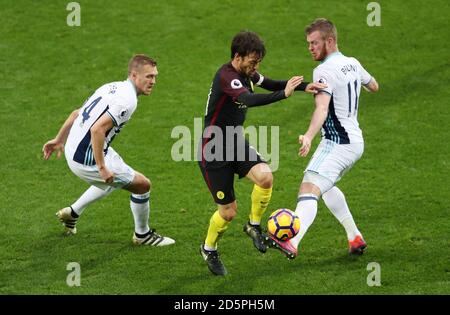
365	76
231	84
321	76
119	112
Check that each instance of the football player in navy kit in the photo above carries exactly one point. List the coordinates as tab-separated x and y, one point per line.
224	149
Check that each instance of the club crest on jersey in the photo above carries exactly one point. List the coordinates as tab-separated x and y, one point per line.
241	105
236	84
123	113
323	80
112	89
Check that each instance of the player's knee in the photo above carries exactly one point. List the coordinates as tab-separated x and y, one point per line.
143	185
228	212
309	188
147	185
229	215
315	183
266	181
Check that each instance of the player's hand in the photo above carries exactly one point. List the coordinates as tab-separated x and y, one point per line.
314	87
106	174
305	141
291	85
50	147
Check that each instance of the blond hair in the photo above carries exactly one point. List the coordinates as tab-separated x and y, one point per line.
324	26
138	61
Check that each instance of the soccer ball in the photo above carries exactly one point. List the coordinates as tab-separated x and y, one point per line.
283	224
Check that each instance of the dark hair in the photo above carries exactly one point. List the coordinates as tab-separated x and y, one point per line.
245	43
138	61
324	26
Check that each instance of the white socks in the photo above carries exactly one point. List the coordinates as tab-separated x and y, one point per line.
92	194
335	201
306	211
140	206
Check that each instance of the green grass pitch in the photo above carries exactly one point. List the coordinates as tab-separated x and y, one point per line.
398	192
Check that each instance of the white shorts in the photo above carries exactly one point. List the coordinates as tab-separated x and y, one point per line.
330	162
123	174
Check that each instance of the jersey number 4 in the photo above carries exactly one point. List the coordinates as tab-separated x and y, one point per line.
89	108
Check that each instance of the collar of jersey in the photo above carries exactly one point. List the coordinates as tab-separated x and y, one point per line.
132	84
336	53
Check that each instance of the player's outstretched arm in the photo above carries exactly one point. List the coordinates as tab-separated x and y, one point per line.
98	132
276	85
322	101
372	86
57	144
251	99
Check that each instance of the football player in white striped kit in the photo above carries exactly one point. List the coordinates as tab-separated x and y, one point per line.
89	132
342	141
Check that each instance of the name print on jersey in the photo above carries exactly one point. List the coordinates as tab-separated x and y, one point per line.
348	68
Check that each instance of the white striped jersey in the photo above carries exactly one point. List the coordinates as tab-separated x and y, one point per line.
116	99
344	76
